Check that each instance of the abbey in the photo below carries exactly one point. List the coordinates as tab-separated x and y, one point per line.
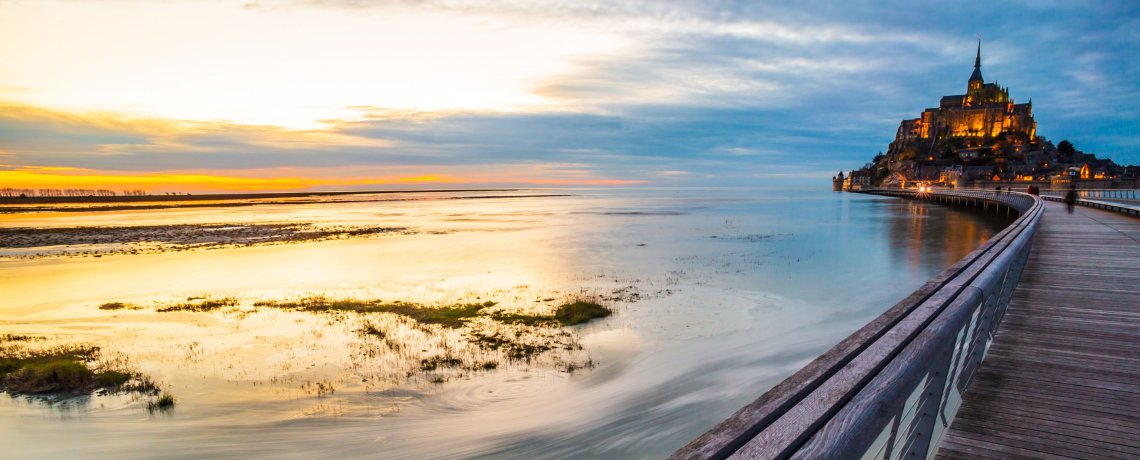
982	138
986	110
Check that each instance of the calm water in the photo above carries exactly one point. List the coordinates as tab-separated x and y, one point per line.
720	295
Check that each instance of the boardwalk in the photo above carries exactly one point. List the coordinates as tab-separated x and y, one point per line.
1062	379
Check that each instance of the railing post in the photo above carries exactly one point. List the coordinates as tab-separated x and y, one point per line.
893	438
922	426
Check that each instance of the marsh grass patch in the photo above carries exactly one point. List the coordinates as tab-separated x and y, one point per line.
199	304
65	370
567	314
452	315
373	329
394	341
119	306
98	241
19	338
437	362
163	403
580	311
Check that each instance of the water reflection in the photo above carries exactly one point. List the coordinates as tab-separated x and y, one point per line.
719	295
953	232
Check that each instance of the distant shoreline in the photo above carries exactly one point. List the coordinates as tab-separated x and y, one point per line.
216	196
10	205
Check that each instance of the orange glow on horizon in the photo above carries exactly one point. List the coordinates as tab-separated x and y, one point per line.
173	181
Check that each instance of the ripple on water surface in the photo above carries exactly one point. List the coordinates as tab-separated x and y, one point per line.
717	295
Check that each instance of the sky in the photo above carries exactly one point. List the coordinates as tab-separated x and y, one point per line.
211	95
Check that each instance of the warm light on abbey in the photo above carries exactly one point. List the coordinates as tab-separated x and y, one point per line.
983	138
986	110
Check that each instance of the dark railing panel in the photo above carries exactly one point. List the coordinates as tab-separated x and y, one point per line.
889	389
1131	207
905	389
1112	193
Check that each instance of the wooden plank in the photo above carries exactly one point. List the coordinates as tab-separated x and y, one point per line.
1103	338
1061	368
1059	444
954	450
1121	424
1018	443
1063	375
1013	389
1064	432
966	440
1065	356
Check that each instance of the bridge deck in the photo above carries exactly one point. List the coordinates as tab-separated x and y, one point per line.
1062	379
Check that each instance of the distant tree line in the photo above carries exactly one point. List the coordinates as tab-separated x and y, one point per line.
30	192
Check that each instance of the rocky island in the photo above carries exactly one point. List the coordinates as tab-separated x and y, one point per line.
983	139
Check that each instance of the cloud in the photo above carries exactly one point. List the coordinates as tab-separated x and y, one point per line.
726	92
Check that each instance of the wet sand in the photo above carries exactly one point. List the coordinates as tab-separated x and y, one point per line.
31	243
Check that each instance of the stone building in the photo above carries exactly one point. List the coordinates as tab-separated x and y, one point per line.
857	180
985	111
982	138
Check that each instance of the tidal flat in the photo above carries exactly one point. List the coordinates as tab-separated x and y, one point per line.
524	324
34	243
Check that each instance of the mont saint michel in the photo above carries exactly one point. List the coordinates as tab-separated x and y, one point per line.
547	229
983	138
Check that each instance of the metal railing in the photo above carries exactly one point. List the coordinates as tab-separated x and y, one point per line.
1123	194
890	389
1131	208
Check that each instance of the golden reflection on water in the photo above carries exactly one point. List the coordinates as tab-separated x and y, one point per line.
955	233
469	251
717	295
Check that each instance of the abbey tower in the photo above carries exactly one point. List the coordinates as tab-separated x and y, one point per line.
982	138
985	111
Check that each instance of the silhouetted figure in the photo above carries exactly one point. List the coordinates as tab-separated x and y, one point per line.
1071	198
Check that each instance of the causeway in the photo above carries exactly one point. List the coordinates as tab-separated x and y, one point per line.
1062	377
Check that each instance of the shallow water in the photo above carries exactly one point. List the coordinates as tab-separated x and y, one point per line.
718	295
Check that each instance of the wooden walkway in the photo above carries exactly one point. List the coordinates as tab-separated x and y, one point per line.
1062	379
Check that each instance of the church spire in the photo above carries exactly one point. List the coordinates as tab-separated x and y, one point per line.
976	81
978	57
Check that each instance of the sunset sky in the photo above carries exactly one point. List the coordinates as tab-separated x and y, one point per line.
196	96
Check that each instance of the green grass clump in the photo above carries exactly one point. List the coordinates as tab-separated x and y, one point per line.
569	314
112	379
368	328
453	315
436	362
580	311
514	349
162	404
448	315
492	342
58	370
523	319
59	376
118	306
200	305
18	338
